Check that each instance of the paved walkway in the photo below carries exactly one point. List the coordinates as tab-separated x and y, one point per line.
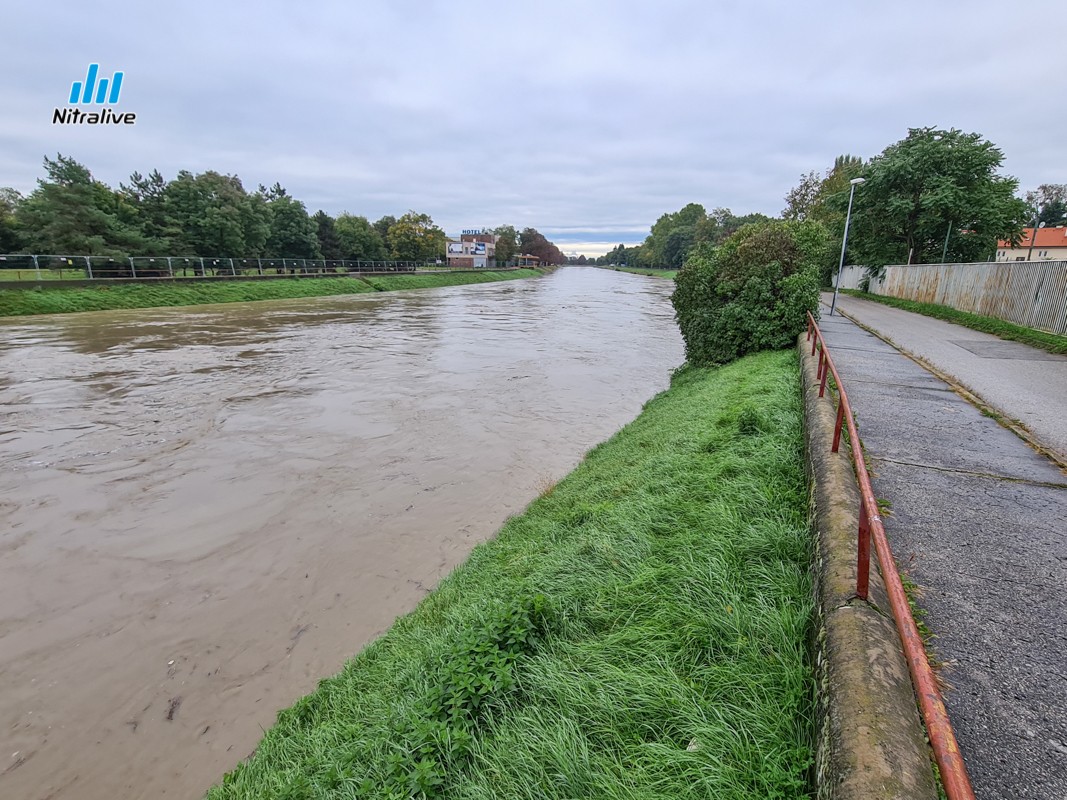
1021	382
979	522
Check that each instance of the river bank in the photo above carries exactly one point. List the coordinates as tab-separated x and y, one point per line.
655	273
640	629
210	508
61	300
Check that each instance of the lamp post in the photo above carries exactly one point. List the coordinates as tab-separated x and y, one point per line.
844	242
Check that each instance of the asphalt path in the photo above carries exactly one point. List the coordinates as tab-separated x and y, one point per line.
977	521
1020	381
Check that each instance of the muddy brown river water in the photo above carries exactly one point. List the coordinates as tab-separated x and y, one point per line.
206	510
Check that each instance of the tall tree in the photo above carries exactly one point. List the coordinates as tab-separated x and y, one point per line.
1048	204
533	242
10	235
70	213
507	245
212	212
802	198
358	239
414	237
721	223
383	226
673	235
144	201
292	232
329	244
931	187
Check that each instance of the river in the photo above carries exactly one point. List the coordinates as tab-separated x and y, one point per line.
208	509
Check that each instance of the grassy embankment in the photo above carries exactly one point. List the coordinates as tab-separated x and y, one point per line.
658	273
149	295
1050	342
640	631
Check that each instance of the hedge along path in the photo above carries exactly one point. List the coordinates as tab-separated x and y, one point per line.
640	631
17	302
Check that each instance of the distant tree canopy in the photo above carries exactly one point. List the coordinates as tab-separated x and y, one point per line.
209	215
533	243
674	237
1047	204
507	243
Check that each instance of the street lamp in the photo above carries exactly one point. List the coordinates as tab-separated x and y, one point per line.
844	242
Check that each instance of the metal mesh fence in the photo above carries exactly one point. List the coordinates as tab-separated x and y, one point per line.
40	267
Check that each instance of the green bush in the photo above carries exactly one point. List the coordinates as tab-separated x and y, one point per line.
752	292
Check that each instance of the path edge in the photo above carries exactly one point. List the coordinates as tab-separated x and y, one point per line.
871	740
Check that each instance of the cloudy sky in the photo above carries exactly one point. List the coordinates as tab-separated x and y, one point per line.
582	118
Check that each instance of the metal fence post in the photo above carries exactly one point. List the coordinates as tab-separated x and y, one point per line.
36	268
133	267
259	266
88	267
170	268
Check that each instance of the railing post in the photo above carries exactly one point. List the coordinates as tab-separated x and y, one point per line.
825	372
88	268
170	267
37	268
259	266
863	554
133	267
837	426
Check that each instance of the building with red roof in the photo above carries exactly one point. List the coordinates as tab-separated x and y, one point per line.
1050	245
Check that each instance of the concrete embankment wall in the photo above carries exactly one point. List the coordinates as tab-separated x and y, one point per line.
1030	293
871	739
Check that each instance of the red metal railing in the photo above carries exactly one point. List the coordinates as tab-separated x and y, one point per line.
938	727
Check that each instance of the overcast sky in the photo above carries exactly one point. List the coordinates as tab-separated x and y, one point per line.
586	120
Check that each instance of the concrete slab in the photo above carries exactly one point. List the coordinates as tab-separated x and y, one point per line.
991	556
938	428
1006	350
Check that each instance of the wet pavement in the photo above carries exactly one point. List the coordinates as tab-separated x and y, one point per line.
206	510
977	521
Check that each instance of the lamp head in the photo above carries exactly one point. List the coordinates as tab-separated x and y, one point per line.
857	181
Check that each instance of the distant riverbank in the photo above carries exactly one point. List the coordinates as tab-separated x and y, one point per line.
656	273
62	300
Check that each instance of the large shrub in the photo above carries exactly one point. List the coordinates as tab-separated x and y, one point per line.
751	292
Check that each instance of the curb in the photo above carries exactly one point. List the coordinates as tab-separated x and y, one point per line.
871	741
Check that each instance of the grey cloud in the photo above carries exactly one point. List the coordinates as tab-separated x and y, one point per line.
584	119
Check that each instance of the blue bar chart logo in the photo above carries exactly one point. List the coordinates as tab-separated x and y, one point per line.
82	91
94	90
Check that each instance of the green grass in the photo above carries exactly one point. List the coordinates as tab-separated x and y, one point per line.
640	631
46	274
14	302
1049	342
384	283
658	273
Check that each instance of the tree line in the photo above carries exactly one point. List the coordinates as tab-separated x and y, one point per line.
210	215
936	195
